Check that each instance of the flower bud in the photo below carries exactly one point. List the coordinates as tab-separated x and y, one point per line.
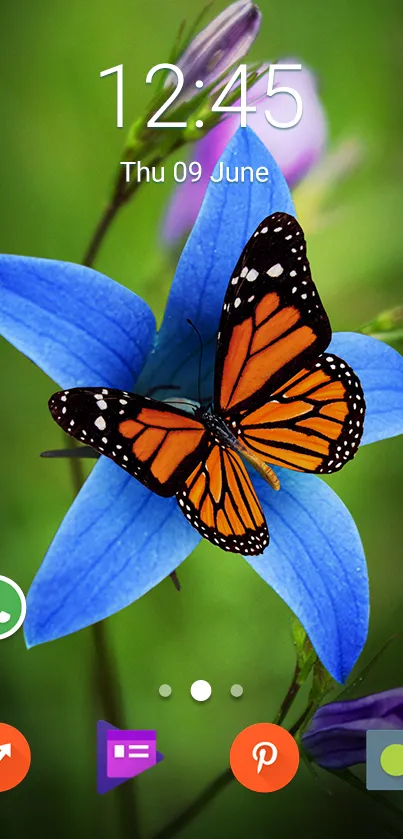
336	737
217	47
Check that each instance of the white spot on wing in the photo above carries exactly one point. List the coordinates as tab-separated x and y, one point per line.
275	270
100	423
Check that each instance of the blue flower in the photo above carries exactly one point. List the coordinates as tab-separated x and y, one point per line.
119	540
336	737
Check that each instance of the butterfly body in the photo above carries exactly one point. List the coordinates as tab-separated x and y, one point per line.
279	400
217	428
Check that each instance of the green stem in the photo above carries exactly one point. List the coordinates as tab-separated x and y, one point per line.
107	694
122	193
119	197
300	721
223	780
106	682
203	800
99	233
289	698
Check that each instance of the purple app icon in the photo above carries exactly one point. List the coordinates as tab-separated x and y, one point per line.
130	752
123	754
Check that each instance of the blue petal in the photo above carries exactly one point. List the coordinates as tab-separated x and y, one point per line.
79	326
117	541
316	563
229	215
380	369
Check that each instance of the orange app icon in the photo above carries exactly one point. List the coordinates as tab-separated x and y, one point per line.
15	757
264	757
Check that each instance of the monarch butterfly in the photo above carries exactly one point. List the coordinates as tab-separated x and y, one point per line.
279	400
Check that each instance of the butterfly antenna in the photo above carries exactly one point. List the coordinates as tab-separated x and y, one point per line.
200	357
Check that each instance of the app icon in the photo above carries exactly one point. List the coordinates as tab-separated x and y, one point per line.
12	607
123	754
264	757
15	757
385	760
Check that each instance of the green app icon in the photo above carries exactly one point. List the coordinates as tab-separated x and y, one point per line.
392	760
12	607
385	759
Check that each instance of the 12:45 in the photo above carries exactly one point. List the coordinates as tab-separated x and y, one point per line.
237	80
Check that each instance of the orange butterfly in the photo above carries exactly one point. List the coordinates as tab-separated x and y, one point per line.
278	399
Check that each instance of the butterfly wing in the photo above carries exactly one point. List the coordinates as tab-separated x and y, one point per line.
312	423
156	443
220	502
171	453
273	323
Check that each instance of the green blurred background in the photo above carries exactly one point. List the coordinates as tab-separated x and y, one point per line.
58	149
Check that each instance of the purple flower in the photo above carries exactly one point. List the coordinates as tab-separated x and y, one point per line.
295	150
337	734
119	540
216	48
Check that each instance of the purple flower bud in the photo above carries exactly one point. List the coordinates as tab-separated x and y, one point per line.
295	149
336	737
220	45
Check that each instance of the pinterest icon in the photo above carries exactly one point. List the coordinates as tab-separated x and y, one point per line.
264	757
